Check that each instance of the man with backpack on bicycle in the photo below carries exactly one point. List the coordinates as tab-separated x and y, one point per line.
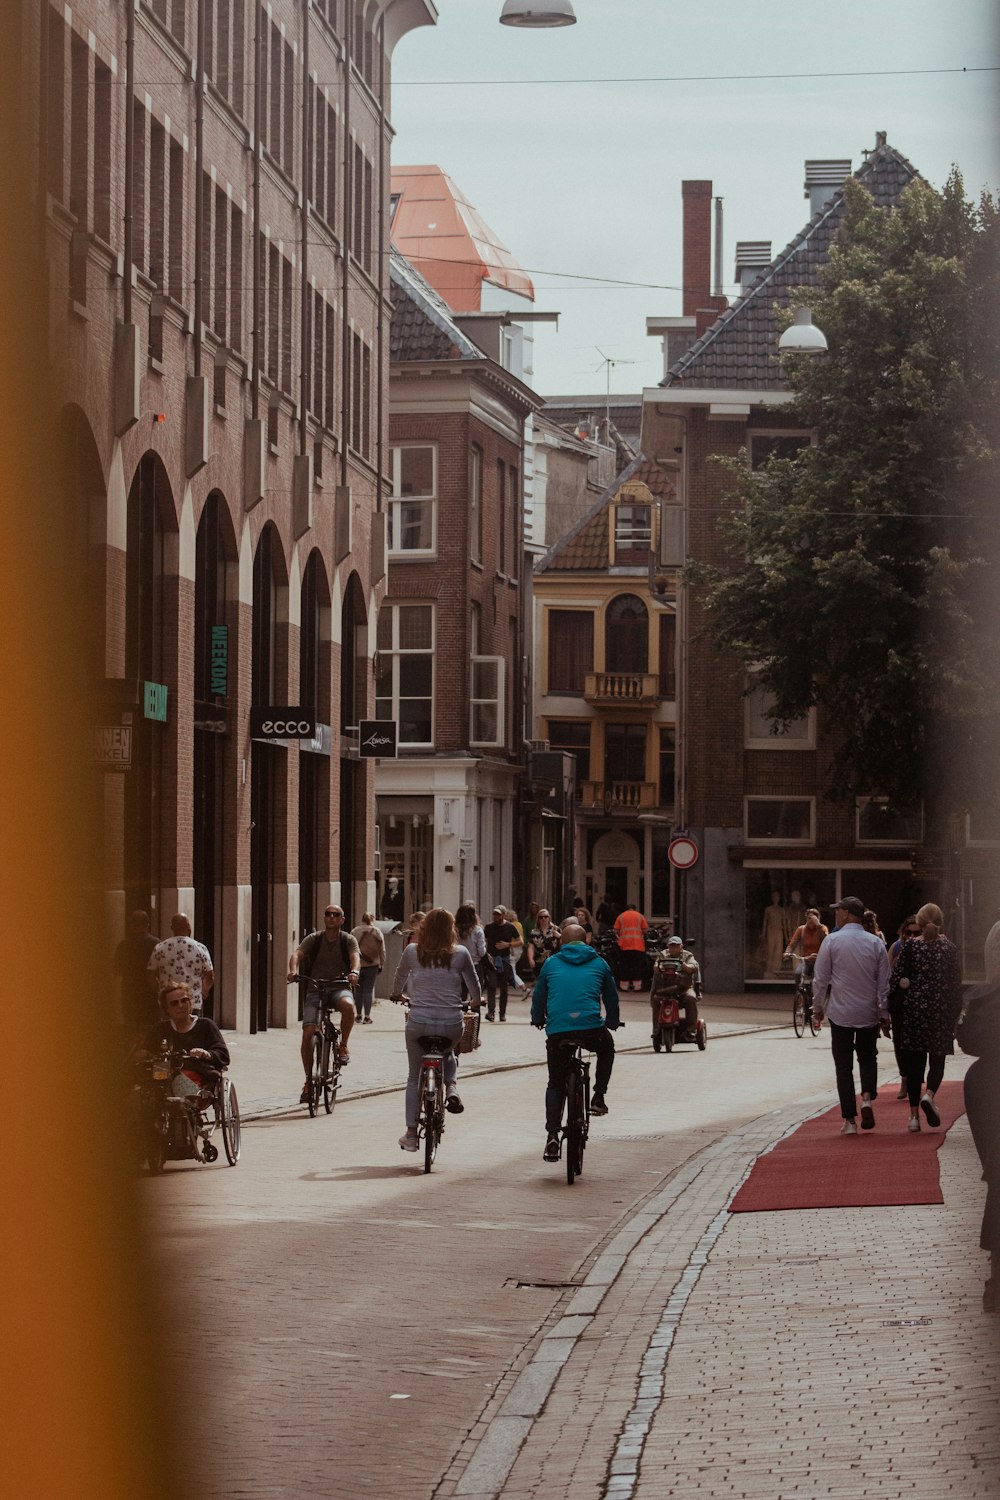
326	955
566	1001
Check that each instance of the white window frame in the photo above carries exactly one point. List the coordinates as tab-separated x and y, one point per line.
396	653
782	839
904	843
782	740
397	500
499	701
779	432
628	536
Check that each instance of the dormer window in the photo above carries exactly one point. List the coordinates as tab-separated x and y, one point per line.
633	532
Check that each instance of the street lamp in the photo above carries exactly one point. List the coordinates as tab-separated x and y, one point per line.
537	13
802	336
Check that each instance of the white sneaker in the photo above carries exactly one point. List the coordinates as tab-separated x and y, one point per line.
848	1128
408	1142
914	1123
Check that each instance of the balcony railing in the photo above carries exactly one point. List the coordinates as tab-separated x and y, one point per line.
618	796
621	687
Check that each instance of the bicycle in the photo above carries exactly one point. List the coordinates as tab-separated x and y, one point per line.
323	1080
432	1094
577	1126
802	1006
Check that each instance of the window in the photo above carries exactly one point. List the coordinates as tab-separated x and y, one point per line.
571	649
404	687
476	505
626	635
501	518
572	739
633	532
668	766
767	445
625	752
668	656
413	503
486	701
781	820
879	823
763	734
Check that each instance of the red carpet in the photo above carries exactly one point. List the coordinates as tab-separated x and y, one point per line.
816	1167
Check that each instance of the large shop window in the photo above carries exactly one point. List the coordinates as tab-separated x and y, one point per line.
776	904
413	503
878	822
782	820
571	650
405	683
486	701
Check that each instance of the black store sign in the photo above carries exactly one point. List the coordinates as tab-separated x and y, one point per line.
282	722
376	737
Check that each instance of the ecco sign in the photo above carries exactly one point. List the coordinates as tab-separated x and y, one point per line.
282	723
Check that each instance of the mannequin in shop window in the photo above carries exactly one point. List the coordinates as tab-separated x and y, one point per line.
772	931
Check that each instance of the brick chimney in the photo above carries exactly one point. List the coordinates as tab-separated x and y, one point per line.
699	303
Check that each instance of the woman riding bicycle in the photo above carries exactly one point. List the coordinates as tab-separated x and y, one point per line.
432	971
805	942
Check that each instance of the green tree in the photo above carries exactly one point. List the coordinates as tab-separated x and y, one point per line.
863	571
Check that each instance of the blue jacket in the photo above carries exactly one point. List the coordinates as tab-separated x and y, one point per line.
569	990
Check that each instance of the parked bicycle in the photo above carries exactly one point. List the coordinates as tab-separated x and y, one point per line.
323	1080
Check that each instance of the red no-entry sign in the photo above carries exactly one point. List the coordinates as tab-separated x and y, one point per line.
682	853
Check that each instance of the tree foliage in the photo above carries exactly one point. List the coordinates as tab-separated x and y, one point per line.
863	571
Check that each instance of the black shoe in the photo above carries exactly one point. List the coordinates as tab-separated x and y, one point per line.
598	1106
867	1116
489	1017
551	1152
305	1095
454	1105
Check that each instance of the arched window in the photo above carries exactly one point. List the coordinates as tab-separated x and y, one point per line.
626	635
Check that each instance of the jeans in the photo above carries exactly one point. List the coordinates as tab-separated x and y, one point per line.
844	1042
415	1056
598	1040
366	988
496	981
913	1071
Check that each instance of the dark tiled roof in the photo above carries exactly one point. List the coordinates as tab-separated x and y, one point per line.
739	351
584	548
625	411
422	326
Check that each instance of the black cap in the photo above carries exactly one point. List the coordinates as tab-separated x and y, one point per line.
850	904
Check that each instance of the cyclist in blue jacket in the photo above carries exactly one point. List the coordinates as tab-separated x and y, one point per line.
566	1001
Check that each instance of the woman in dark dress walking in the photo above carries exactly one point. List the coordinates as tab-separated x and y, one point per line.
925	994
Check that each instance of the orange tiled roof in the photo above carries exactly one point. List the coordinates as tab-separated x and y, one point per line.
452	247
584	548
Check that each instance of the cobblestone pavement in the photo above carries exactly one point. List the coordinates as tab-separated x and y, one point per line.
488	1332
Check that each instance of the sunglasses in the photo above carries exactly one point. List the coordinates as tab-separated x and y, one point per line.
333	914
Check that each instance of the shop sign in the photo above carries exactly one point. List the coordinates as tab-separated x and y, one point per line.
111	746
377	738
682	852
219	662
282	722
154	701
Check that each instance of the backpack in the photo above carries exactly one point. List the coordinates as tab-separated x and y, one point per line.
371	948
309	958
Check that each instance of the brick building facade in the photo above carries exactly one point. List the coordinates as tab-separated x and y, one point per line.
212	182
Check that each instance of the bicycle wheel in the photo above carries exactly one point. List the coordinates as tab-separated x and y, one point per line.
798	1012
229	1120
155	1142
429	1115
315	1074
574	1150
331	1072
813	1023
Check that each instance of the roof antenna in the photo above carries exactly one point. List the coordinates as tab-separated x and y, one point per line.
609	362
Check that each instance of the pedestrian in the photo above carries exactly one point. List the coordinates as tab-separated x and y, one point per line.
607	911
853	966
582	915
500	935
371	946
326	955
139	1009
412	930
927	988
178	959
907	929
516	948
870	923
566	1001
436	972
630	929
543	941
979	1036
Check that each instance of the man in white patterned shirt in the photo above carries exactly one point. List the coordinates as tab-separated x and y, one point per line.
181	960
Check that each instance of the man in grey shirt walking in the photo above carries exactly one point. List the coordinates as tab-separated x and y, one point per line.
854	966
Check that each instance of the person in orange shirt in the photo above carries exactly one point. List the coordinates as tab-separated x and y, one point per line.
630	929
806	942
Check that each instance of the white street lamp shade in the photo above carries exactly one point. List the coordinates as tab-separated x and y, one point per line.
802	336
537	13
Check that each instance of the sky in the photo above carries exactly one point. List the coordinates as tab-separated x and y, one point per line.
577	164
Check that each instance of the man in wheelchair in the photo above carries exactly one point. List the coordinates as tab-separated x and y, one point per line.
676	975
